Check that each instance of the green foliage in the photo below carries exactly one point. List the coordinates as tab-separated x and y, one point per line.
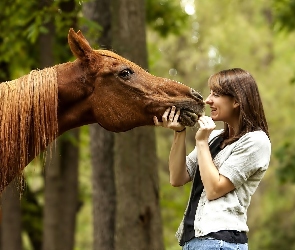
284	20
21	24
284	14
272	237
166	17
286	157
15	19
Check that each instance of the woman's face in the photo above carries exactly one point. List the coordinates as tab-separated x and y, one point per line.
223	108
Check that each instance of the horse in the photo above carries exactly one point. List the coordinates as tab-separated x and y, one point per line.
99	86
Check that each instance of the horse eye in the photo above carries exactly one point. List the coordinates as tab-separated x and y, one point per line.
125	74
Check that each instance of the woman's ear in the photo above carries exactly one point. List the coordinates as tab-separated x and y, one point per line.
236	104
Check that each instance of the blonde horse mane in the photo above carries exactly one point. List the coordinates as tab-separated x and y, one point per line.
28	118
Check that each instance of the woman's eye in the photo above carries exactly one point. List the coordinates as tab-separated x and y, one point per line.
125	74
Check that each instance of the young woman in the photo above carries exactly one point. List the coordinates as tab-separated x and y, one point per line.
226	165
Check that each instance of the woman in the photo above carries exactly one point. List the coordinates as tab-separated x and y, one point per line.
226	165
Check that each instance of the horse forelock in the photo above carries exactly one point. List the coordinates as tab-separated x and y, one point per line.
28	118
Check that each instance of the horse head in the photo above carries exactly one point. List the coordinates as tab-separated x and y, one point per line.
105	88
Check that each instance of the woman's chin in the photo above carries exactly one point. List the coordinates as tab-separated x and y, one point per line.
214	118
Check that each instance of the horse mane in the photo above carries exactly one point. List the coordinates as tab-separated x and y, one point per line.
28	119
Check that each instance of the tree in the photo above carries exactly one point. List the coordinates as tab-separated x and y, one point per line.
10	212
138	213
11	218
102	141
61	172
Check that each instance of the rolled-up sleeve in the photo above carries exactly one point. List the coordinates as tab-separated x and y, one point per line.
251	154
191	163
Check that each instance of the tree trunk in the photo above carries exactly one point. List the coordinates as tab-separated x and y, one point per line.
11	218
52	204
61	175
32	217
138	211
69	195
10	224
69	164
102	144
104	193
53	183
61	194
61	170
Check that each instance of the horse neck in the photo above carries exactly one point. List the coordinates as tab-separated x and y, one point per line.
73	89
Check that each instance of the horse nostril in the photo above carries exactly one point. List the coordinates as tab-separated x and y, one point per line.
197	94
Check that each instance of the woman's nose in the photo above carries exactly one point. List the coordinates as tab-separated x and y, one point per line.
208	100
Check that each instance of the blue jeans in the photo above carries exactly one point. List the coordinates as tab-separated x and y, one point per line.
212	244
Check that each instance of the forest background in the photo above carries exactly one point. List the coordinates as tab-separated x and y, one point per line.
184	40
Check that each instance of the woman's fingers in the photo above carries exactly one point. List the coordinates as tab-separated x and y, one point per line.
165	116
156	122
177	115
173	117
169	119
207	125
172	113
206	122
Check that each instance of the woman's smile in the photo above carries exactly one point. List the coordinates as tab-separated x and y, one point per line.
213	110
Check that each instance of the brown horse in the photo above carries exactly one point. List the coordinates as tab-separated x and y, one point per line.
98	87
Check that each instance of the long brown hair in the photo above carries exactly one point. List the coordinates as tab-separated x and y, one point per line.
241	85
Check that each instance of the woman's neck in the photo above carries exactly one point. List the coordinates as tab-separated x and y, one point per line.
231	131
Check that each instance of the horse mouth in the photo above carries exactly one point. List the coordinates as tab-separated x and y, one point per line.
189	117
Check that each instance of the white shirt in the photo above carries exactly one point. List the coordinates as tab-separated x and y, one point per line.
244	163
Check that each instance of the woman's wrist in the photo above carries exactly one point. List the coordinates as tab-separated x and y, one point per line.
201	143
179	131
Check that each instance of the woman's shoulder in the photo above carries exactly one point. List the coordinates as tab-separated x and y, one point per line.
255	139
257	135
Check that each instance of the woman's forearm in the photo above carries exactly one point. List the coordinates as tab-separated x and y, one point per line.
209	173
177	161
215	185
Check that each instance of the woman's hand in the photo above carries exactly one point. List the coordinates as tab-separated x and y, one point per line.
170	119
207	125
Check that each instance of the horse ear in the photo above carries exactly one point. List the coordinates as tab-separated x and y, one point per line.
80	34
79	45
